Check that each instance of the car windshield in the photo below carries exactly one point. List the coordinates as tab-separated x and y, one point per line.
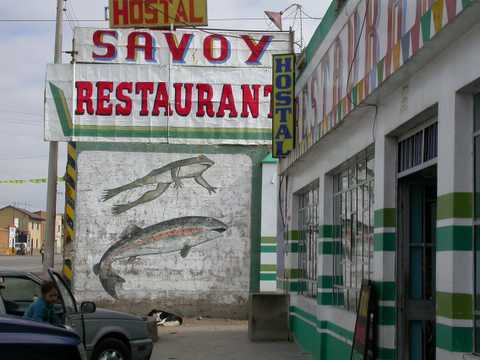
68	300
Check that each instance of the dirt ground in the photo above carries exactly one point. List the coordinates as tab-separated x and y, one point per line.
210	339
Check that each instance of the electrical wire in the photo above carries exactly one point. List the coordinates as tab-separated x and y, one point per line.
103	20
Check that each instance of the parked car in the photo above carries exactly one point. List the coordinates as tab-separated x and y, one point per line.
29	340
105	334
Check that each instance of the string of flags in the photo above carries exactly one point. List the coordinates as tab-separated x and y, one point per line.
27	181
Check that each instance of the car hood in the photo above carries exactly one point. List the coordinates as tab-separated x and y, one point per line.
105	314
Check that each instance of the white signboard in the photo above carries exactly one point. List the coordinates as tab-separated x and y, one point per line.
156	86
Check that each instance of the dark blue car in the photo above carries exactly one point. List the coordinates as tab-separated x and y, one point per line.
29	340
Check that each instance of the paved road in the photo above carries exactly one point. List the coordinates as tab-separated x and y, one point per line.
26	263
219	340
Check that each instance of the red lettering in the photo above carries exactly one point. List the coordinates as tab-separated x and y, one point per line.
250	101
84	97
371	36
257	49
145	89
126	109
227	102
178	52
120	13
181	13
224	49
205	96
337	73
193	18
133	46
136	12
162	101
151	14
98	41
267	92
183	110
352	59
104	90
165	11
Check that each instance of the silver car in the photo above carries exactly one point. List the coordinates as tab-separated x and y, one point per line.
106	334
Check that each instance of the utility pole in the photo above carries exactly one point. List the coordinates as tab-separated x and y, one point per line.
49	249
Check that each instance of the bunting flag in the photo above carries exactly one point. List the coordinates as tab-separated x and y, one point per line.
426	25
437	10
27	181
406	47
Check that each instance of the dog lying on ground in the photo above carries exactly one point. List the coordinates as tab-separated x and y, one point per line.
164	318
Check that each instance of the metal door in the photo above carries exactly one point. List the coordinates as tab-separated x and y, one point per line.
416	266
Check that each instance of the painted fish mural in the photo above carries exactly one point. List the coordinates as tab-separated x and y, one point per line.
175	235
172	173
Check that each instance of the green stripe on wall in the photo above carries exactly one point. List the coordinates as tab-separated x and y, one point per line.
454	306
385	290
455	206
268	240
292	247
454	238
327	282
268	267
387	315
326	247
384	242
268	277
294	273
455	339
385	217
325	298
325	231
268	248
293	235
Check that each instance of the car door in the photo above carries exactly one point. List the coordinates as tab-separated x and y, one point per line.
18	293
70	311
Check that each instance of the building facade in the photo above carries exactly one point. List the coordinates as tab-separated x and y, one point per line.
382	184
28	227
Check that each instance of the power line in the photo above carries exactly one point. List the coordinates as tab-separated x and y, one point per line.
102	20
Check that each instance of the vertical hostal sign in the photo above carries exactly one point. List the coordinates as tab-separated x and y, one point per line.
283	104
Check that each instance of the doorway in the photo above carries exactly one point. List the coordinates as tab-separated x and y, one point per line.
417	200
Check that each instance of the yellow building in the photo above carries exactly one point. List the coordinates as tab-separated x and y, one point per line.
58	230
28	227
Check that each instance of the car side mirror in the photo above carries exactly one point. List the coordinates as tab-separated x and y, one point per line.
88	307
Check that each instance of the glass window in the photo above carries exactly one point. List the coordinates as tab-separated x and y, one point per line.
308	226
67	298
353	229
18	289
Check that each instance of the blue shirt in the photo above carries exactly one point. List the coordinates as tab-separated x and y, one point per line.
42	312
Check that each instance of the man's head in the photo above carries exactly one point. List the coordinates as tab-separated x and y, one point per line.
49	292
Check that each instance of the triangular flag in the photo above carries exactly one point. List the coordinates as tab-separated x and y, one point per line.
437	9
451	9
276	18
426	25
405	47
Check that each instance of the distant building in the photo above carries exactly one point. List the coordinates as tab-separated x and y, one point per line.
28	227
4	248
58	230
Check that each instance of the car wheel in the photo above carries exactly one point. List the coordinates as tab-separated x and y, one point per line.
111	349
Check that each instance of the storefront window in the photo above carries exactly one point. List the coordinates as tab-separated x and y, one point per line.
353	198
308	221
476	142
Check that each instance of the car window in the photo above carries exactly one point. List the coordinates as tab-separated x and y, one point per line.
67	298
18	289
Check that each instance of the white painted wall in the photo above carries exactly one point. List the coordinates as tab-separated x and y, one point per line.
212	279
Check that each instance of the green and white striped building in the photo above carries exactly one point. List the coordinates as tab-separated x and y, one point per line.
381	183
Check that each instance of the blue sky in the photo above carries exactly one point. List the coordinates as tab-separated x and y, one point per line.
27	47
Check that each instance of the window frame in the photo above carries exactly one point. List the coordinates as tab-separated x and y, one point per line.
308	245
475	225
342	203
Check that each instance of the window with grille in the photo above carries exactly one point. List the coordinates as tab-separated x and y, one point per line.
418	148
308	226
353	199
